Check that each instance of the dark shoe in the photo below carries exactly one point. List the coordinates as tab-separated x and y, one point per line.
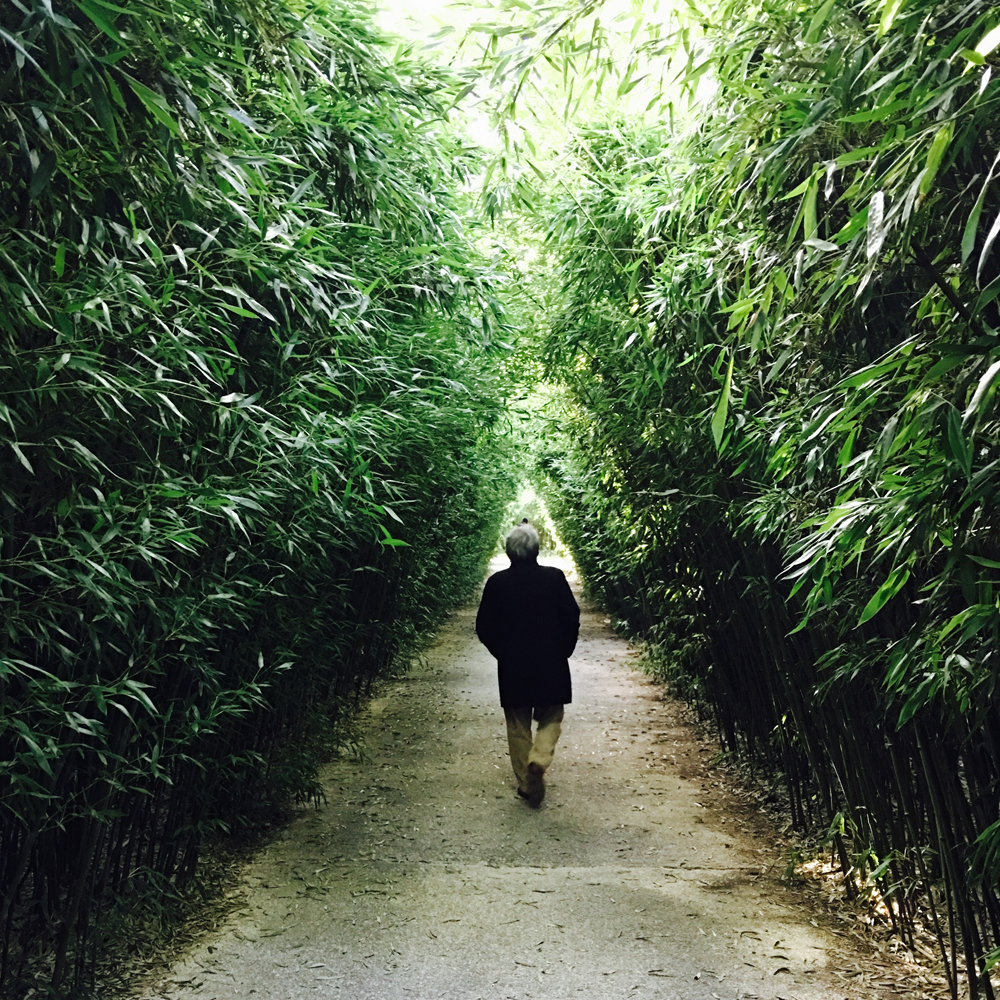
534	785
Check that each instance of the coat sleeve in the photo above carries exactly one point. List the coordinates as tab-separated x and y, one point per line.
569	616
489	628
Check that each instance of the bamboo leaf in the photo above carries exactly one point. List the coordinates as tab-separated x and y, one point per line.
855	155
138	690
983	561
21	456
876	224
890	11
935	154
854	225
809	222
987	247
972	226
43	174
866	376
877	114
984	392
917	700
989	42
722	407
41	759
818	20
387	539
100	19
892	586
847	451
102	107
956	441
239	115
154	103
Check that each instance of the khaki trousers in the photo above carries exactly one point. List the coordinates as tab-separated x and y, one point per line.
523	749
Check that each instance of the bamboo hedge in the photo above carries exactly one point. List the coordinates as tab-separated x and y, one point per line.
250	427
777	455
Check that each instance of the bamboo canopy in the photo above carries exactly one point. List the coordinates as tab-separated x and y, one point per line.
279	345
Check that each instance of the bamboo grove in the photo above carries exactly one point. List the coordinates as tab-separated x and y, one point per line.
254	438
776	455
249	421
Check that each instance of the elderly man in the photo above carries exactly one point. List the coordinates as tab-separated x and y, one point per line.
529	620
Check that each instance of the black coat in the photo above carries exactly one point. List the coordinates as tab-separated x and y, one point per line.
529	620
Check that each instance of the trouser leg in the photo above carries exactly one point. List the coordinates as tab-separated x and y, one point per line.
519	740
549	718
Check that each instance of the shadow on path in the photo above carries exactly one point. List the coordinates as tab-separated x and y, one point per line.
426	877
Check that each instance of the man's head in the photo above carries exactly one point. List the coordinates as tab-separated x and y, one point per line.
522	544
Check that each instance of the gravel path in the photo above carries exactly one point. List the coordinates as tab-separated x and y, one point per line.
426	877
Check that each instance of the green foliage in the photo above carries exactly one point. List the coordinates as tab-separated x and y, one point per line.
250	425
778	448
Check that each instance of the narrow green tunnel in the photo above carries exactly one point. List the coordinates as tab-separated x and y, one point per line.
297	315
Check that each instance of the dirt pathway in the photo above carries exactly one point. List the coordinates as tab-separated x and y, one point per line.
425	877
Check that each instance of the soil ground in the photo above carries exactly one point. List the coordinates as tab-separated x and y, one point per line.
426	877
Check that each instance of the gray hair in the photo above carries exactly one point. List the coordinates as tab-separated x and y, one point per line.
522	543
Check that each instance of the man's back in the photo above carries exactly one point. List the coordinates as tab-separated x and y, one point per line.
529	620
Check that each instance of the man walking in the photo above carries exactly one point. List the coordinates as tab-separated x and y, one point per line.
529	620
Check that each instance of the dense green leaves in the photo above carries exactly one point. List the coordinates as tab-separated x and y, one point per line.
248	417
785	481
